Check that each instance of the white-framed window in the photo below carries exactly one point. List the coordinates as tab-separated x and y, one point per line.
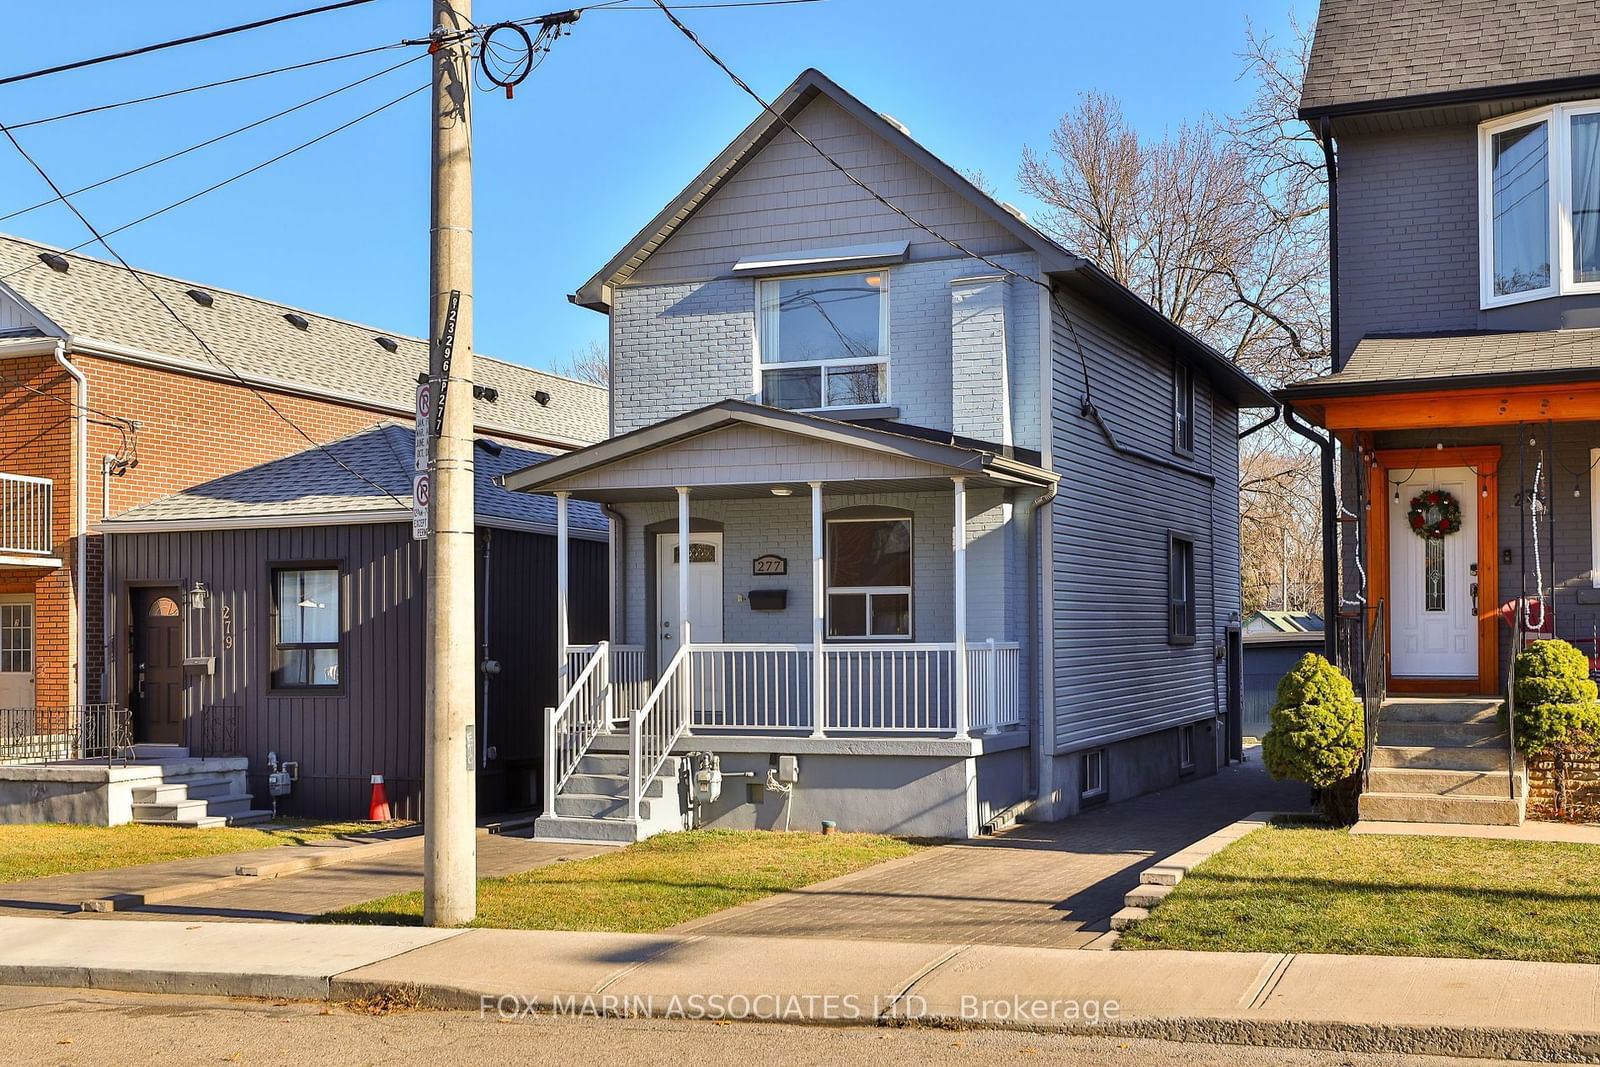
1092	782
1180	590
822	340
1539	204
1186	747
1182	409
868	569
305	628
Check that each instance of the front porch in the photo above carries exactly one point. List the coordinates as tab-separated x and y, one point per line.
823	616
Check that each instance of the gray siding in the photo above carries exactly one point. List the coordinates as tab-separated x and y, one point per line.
1115	674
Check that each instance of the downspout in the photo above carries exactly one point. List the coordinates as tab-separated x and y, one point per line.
80	508
1331	166
1330	533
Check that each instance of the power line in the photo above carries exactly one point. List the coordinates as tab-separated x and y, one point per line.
204	85
215	185
192	39
98	236
214	140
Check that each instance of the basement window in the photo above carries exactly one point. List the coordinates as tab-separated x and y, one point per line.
305	628
1092	780
1186	748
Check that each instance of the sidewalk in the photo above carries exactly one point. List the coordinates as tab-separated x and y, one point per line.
1449	1007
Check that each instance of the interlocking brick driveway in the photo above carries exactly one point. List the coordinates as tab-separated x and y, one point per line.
1044	884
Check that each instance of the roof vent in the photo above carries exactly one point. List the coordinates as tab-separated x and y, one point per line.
388	344
485	392
201	297
298	321
896	123
1014	211
542	397
491	447
57	263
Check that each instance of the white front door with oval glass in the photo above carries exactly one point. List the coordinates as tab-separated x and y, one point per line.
705	593
1433	581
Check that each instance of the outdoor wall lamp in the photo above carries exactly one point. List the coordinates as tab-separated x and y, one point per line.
198	595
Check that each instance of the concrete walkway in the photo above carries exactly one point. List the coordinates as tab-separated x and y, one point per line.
1449	1007
1044	884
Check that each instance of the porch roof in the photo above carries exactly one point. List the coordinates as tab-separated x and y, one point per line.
726	448
1395	363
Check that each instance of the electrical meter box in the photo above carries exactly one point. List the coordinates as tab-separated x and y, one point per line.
788	769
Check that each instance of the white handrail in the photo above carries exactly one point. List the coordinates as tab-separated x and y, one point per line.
656	727
571	726
25	514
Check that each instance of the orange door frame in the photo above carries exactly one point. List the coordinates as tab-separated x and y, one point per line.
1484	461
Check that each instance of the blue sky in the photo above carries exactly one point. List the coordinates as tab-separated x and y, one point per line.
618	119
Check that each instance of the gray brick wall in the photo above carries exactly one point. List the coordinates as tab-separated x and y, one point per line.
979	371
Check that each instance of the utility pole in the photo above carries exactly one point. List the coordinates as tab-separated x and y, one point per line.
449	882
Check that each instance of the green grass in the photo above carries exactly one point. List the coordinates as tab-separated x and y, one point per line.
1323	890
44	849
657	883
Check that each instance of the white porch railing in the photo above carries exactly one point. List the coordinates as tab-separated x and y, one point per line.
25	514
630	681
994	685
654	728
569	728
882	688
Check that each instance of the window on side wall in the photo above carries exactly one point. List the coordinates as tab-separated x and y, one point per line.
1182	409
868	569
1186	748
1092	777
305	628
823	341
1180	591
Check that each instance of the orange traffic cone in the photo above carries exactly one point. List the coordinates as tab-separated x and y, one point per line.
378	810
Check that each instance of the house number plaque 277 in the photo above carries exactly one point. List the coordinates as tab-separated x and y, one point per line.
767	565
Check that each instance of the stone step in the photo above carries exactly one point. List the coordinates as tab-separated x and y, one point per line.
203	822
1159	875
618	831
1147	896
616	763
593	806
1458	711
205	787
165	793
146	751
230	804
1127	917
170	811
1430	808
1442	734
1430	757
611	785
1442	782
249	817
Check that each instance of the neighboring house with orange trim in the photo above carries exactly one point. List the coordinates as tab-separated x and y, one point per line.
1464	153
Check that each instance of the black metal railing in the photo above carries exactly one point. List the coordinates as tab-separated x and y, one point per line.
1350	645
1374	686
60	733
217	731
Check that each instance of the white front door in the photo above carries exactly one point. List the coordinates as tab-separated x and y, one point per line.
705	592
16	651
1434	632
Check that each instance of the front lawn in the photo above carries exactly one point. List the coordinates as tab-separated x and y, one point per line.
657	883
36	851
1301	889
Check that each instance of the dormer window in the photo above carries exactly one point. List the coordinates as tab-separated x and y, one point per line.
1539	203
823	341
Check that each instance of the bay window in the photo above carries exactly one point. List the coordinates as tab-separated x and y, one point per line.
868	569
823	340
1539	203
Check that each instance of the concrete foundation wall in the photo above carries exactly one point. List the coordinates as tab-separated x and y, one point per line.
94	794
1134	767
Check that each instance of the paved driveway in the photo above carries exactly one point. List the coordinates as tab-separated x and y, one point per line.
1045	884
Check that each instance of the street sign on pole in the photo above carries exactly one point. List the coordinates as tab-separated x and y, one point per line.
421	494
424	420
447	348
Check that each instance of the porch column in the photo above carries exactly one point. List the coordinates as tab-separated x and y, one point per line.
819	666
683	567
561	590
959	551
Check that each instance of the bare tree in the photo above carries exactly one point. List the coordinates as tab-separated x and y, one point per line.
591	364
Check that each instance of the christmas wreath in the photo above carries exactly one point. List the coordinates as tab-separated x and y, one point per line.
1434	514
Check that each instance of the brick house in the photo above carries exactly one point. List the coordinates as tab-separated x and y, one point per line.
106	403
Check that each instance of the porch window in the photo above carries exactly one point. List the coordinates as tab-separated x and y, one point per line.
1180	591
824	340
868	567
1182	408
1539	203
305	628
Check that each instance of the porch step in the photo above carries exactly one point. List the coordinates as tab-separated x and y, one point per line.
146	751
1430	757
206	788
201	822
1459	710
610	785
165	793
594	806
615	764
1431	808
1443	734
1444	783
170	811
249	817
618	831
229	805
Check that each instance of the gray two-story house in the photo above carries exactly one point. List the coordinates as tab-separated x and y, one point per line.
1463	138
919	521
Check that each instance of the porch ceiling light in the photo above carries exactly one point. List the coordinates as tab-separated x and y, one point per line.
782	490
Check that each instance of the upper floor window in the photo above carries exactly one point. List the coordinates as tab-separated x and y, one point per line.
1180	590
1182	408
1539	203
824	341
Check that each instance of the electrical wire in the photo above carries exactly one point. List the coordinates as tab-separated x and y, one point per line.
124	426
192	39
179	319
218	138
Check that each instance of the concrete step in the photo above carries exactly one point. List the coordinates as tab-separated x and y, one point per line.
1429	757
203	822
206	787
1147	896
146	751
165	793
611	785
1127	917
1442	782
171	811
618	831
249	816
616	763
1430	808
594	806
1445	709
230	804
1442	734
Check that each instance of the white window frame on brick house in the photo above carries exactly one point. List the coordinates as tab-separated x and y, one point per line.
1557	121
767	339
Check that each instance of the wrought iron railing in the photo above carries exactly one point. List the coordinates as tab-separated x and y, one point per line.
60	733
25	514
217	732
1374	686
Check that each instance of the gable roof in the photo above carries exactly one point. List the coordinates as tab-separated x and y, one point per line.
1288	622
98	305
1056	261
310	488
1419	362
1373	55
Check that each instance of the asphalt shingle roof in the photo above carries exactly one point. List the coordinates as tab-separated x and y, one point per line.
99	300
313	484
1367	51
1442	357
